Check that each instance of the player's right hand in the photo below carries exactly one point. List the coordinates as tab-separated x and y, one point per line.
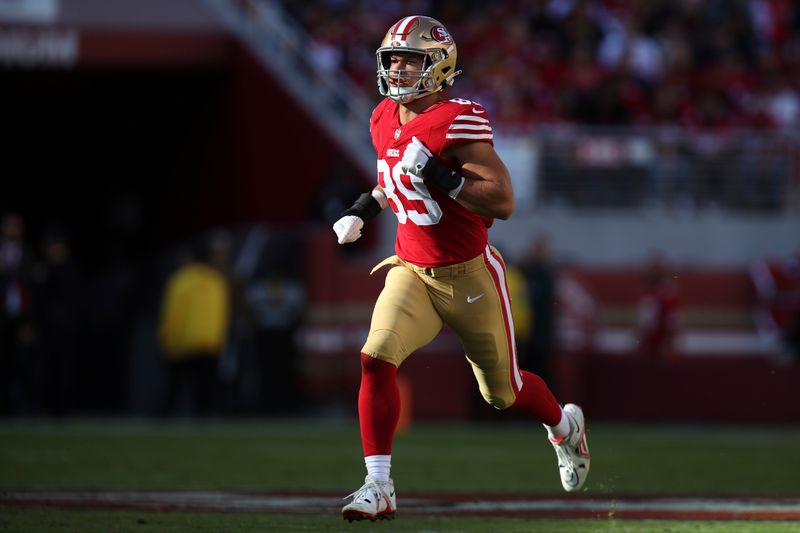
348	228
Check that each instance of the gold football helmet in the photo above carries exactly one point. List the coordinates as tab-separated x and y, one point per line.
424	36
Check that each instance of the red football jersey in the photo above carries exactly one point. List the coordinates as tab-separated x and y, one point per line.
434	230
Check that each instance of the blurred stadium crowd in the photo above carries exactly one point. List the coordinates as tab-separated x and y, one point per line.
715	64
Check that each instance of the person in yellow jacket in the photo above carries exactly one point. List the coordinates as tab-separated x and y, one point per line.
193	330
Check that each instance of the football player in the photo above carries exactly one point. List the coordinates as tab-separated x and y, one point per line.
439	173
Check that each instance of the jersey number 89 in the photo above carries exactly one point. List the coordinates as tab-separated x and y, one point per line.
408	196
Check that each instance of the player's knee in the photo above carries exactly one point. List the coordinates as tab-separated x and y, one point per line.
498	401
384	345
370	364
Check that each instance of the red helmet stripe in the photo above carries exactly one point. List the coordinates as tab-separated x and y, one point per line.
402	27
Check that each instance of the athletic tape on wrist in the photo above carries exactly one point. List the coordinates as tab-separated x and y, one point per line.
380	197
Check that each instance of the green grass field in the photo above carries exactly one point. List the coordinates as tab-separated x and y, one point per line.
324	457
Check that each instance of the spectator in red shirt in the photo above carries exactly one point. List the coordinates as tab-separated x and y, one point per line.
658	310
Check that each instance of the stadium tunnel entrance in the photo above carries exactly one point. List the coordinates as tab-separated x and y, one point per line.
138	133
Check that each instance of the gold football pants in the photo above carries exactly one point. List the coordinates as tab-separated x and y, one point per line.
471	298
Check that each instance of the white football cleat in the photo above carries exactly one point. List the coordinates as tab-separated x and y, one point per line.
574	459
375	500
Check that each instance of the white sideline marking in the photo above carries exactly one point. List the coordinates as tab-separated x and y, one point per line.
737	507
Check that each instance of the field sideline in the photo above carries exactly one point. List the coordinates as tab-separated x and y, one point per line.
449	504
450	476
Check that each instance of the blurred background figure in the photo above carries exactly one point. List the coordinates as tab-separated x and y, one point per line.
668	184
193	329
276	301
48	366
334	195
777	312
658	310
540	275
521	310
793	336
15	267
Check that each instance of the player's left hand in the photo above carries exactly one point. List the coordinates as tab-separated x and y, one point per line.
415	157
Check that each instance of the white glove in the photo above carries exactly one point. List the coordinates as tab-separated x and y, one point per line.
348	228
415	157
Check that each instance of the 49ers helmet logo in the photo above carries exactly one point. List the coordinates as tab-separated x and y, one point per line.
440	34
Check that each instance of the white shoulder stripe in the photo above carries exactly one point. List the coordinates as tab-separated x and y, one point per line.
472	118
482	127
468	136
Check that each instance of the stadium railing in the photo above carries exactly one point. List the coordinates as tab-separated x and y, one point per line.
586	167
281	45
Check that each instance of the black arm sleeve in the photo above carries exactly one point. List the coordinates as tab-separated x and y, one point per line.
441	176
366	207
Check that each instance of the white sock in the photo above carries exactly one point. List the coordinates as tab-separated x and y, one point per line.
378	466
561	429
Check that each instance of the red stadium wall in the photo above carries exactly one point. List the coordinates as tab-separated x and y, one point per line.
690	389
729	383
269	160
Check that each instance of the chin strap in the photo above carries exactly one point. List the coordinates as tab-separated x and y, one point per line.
451	78
406	98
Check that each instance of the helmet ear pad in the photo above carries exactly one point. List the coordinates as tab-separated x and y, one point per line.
427	80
